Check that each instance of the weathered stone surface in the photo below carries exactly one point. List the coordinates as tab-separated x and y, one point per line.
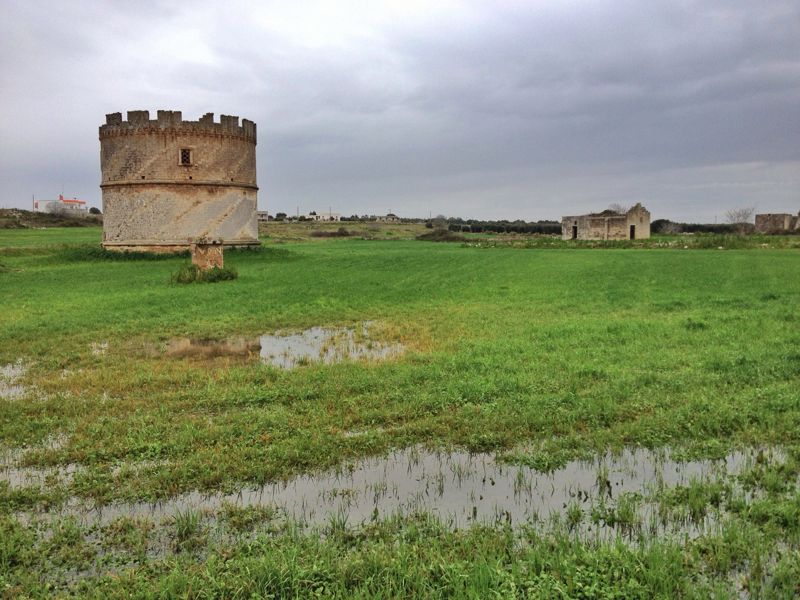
633	225
777	223
207	255
167	181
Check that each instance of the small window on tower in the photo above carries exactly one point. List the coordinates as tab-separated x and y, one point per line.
186	157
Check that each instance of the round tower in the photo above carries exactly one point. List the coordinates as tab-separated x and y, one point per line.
168	182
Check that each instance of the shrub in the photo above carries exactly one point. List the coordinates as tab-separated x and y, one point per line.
671	227
190	273
341	232
441	235
521	227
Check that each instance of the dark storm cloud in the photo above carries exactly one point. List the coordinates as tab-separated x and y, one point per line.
479	109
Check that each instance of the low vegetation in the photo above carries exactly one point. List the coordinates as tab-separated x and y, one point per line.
14	218
540	357
519	226
288	232
441	235
341	232
189	273
661	242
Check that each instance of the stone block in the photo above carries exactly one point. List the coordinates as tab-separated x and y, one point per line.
207	254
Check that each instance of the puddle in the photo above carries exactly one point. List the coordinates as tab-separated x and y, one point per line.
237	346
355	433
99	348
18	476
323	344
9	376
459	488
287	350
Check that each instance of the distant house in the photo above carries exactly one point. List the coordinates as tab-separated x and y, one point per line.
608	225
328	216
62	206
390	218
263	216
777	223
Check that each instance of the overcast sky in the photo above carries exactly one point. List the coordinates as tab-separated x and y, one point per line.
473	109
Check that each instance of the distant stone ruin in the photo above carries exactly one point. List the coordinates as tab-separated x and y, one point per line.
167	182
608	225
777	223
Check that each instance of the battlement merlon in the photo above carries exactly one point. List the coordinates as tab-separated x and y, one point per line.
139	121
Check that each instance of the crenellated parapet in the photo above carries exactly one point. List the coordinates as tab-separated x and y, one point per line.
139	122
167	181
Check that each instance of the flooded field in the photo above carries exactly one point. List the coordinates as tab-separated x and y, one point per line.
287	350
415	470
9	377
458	488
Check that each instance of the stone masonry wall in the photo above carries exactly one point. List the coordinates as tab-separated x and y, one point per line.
151	199
608	226
207	256
777	222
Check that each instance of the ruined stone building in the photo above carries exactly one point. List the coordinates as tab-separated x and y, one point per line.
777	223
388	218
168	182
608	225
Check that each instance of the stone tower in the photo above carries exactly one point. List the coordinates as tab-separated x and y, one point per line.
168	182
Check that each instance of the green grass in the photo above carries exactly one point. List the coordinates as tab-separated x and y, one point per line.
700	241
189	273
548	355
51	236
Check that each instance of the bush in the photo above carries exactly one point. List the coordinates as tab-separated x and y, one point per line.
521	227
341	232
671	227
189	273
441	235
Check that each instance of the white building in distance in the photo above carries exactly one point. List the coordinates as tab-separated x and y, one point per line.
62	206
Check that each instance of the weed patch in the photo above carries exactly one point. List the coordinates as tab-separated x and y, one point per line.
441	235
339	233
694	325
189	273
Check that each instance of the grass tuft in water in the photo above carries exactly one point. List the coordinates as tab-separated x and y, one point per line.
187	530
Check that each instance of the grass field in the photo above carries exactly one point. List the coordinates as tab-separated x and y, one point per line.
535	356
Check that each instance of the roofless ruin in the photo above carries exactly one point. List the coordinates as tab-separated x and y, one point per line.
608	225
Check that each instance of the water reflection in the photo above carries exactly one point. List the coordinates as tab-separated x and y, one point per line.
458	487
287	350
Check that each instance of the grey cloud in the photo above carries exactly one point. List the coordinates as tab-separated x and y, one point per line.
492	110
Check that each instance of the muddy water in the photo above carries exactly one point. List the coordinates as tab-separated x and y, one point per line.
287	350
18	476
323	344
459	488
200	348
10	374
